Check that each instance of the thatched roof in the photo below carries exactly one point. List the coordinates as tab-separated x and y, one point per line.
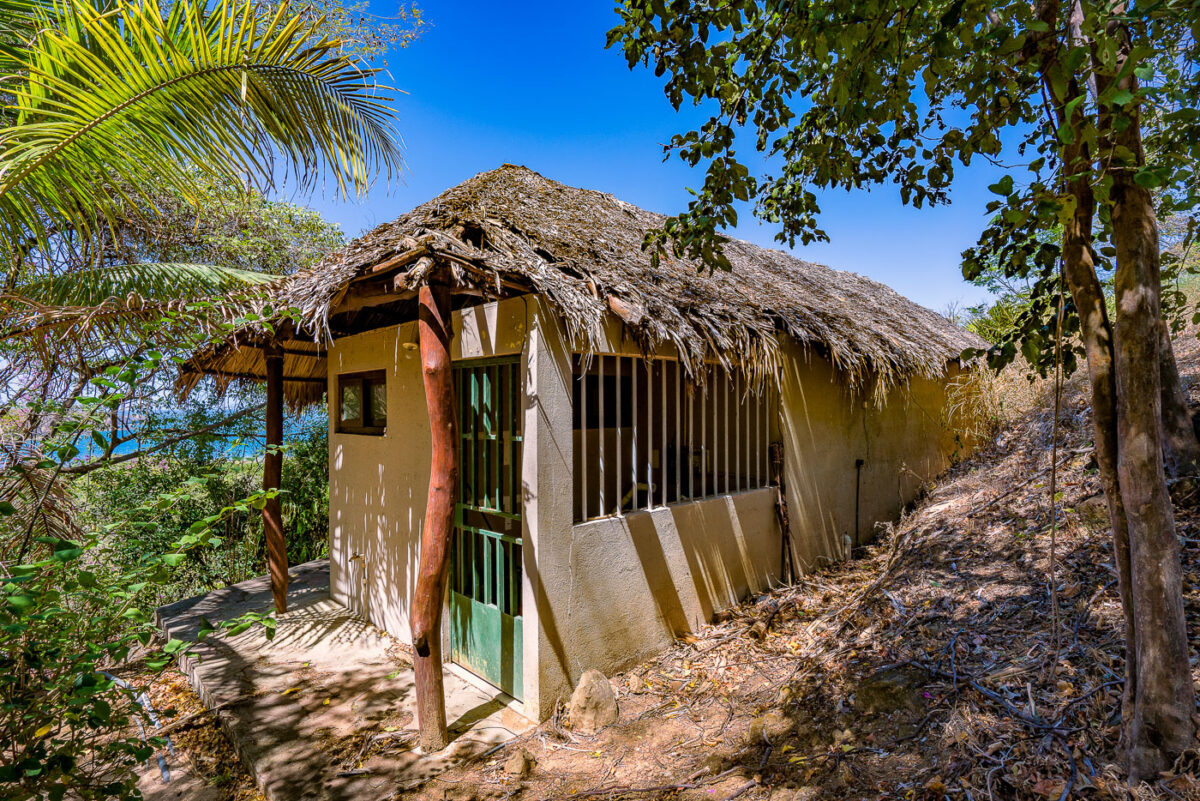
511	231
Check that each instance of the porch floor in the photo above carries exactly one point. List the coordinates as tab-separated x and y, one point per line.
325	710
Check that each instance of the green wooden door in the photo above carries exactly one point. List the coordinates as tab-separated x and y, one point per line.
486	570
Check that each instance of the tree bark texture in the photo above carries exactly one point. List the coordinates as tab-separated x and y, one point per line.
1096	333
277	559
434	337
1181	448
1161	723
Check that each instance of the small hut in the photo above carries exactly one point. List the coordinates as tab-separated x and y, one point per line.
637	447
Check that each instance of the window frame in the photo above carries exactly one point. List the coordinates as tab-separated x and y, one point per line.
366	380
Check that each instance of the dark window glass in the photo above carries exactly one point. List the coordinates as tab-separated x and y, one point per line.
362	401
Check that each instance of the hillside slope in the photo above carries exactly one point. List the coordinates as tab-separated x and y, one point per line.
932	667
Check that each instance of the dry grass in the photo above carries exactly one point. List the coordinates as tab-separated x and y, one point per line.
982	402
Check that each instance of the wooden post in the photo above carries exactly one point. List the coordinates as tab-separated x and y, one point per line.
277	560
434	336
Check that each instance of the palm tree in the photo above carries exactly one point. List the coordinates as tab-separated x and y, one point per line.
104	104
107	99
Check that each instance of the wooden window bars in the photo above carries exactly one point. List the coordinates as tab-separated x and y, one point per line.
646	437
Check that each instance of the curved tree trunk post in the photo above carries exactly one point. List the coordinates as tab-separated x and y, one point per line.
277	560
434	335
1180	445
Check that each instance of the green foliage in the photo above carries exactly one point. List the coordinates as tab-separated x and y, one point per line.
72	612
849	94
230	472
112	101
228	226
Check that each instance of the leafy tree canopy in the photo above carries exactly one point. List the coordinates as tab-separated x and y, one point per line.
848	94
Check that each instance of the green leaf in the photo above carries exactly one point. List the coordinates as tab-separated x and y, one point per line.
1002	187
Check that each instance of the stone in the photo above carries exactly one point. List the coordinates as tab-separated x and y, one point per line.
890	690
593	704
519	763
774	727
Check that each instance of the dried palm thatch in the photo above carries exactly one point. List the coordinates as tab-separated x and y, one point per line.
511	231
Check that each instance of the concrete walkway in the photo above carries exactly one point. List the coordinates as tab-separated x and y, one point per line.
325	709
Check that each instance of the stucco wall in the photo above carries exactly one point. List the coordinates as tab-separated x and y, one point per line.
825	427
378	484
623	588
612	592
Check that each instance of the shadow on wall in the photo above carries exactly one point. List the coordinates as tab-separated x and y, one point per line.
834	503
637	582
375	534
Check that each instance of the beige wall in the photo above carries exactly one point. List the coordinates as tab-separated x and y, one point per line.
610	593
377	484
825	428
621	589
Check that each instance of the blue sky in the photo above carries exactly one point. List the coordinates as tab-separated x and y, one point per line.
531	83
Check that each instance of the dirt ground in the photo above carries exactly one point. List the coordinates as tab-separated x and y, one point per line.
938	664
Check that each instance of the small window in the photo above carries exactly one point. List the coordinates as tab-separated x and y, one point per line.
362	403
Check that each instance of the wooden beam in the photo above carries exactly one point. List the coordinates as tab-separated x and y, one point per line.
277	561
434	335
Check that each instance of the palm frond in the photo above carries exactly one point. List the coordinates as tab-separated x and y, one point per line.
18	25
122	97
65	321
141	283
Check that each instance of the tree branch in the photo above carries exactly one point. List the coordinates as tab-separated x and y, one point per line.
87	467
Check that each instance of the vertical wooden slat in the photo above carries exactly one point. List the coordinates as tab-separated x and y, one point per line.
691	404
736	445
725	447
633	440
649	434
583	435
514	423
618	471
716	404
494	435
678	428
662	411
468	437
703	438
602	445
487	568
514	580
744	428
758	439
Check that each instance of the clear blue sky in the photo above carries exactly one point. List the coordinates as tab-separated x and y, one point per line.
531	83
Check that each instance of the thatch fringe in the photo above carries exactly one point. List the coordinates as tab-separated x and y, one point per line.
511	231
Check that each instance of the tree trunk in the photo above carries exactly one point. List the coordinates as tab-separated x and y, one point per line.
277	560
1160	726
434	335
1096	333
1181	448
